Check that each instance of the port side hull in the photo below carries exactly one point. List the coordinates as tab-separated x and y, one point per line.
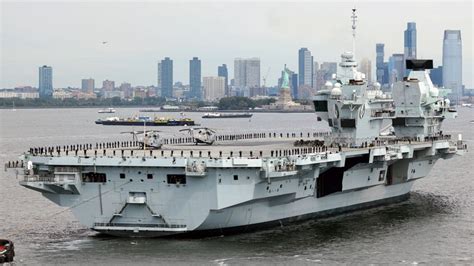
230	220
297	219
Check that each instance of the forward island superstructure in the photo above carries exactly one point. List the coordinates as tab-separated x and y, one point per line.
379	145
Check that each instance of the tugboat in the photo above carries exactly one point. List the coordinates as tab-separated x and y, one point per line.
145	121
227	115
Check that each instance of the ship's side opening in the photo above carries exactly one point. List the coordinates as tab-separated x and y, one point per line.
320	106
331	180
176	179
92	177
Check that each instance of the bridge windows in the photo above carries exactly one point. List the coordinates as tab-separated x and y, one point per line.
176	179
92	177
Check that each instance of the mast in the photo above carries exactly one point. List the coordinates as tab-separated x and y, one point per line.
354	20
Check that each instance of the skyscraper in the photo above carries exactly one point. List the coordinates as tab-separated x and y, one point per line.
88	85
365	67
305	67
247	72
294	85
108	85
127	90
195	78
45	82
436	75
222	72
379	64
396	68
253	72
214	88
410	41
165	77
315	74
329	69
452	63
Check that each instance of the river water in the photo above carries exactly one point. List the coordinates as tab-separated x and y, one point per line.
435	226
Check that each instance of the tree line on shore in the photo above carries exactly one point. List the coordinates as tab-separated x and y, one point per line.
228	103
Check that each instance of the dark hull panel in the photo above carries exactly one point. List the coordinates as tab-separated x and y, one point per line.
229	116
148	123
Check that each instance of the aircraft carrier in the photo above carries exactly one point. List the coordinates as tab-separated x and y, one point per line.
378	146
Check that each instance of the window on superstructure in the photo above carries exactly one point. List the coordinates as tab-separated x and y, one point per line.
236	177
149	176
122	176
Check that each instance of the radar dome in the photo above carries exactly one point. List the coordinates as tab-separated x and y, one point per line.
328	85
336	91
347	55
377	86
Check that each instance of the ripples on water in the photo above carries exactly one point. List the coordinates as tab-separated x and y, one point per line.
435	226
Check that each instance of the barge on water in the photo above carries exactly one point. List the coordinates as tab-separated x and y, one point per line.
146	121
227	115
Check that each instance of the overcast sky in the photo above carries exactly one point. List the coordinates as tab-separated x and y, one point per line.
69	35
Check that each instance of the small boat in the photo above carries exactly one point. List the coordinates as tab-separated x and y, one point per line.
466	105
107	111
145	121
7	251
227	115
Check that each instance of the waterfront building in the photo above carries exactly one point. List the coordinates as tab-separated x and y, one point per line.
214	88
88	85
140	92
305	67
195	78
62	94
165	77
257	91
127	90
114	94
223	72
247	72
18	94
452	63
45	87
379	63
108	85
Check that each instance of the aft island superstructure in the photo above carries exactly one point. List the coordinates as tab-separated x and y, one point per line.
379	145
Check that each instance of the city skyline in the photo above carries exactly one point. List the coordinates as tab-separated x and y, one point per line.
76	53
